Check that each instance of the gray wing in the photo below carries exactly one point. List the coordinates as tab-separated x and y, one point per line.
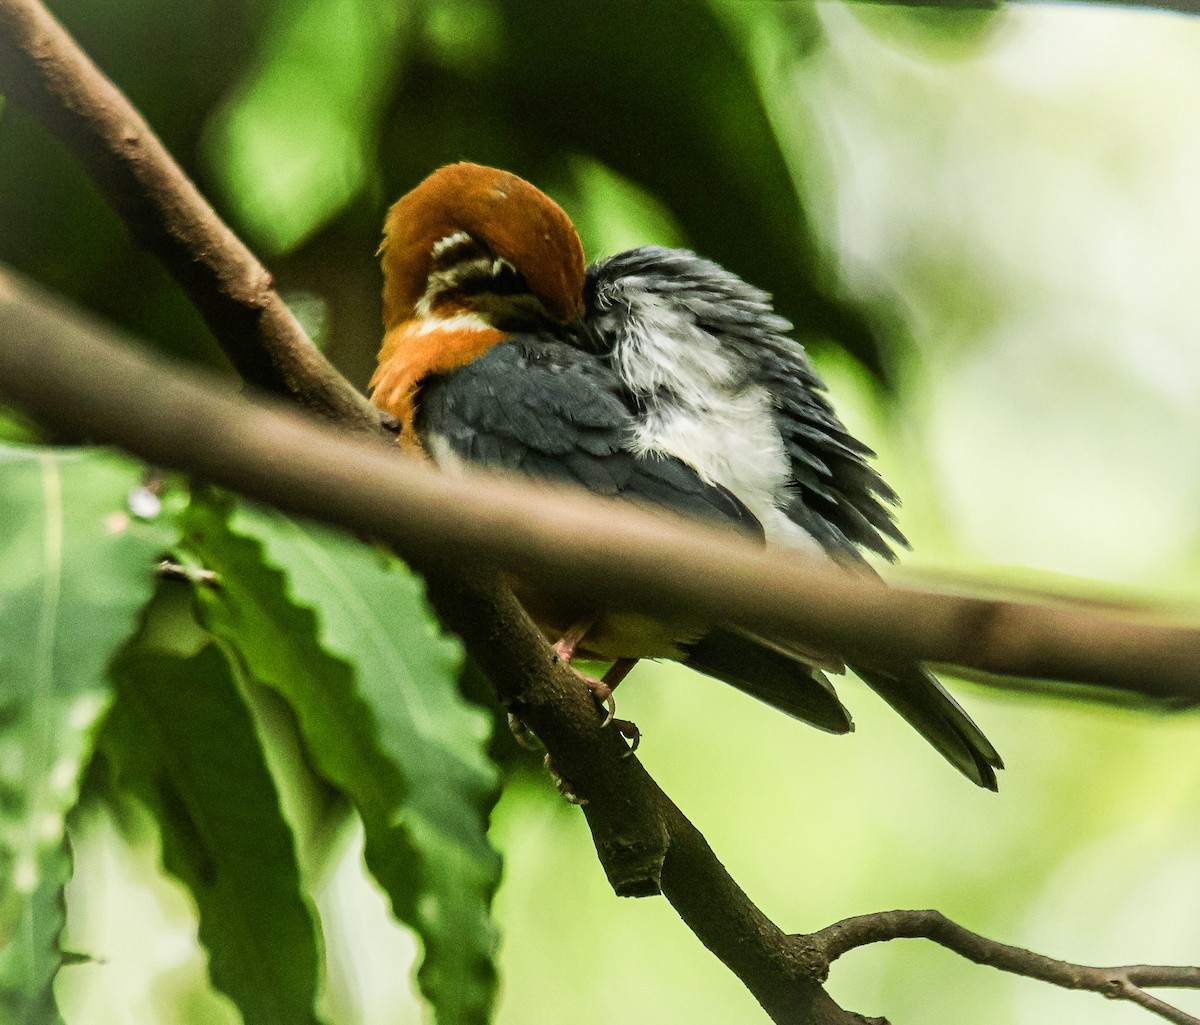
537	406
543	408
834	493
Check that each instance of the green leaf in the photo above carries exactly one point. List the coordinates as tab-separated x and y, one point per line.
16	428
77	569
374	687
296	143
29	962
181	740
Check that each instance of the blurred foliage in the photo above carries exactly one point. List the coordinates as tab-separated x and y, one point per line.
661	95
297	139
859	163
16	427
358	674
946	31
306	118
181	740
77	571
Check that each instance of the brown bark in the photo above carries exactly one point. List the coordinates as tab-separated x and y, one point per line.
54	365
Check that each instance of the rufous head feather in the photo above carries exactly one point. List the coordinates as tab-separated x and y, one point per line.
503	214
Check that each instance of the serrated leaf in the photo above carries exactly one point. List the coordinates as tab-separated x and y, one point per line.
29	962
181	740
374	687
75	570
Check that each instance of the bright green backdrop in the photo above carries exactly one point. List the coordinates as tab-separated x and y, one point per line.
983	225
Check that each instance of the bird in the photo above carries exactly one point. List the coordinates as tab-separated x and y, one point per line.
652	376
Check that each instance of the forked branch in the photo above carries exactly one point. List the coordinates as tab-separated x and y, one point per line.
1128	982
55	365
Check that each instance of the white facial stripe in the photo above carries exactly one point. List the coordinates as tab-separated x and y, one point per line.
458	322
446	279
449	242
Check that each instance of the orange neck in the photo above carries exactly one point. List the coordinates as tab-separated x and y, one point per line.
415	349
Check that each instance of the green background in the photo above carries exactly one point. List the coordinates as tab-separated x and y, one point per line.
984	227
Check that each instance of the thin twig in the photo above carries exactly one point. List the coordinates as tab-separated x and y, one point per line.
1126	982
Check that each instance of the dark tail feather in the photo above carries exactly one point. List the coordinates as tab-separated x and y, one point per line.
933	713
782	680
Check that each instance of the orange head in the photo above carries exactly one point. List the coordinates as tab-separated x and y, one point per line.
472	239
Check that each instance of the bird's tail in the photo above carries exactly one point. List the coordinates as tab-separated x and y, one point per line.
932	712
791	679
783	679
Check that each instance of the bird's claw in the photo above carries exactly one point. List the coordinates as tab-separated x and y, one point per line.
603	694
630	732
564	788
521	733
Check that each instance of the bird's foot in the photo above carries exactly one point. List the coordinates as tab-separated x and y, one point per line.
522	734
602	691
564	788
630	732
564	650
603	694
564	647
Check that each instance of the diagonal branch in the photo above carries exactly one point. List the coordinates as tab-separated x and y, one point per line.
1128	982
42	68
52	365
555	538
56	366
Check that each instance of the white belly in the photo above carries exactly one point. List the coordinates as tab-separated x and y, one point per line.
733	442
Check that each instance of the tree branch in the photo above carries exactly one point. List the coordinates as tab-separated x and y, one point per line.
1122	983
56	366
42	68
52	365
45	69
556	538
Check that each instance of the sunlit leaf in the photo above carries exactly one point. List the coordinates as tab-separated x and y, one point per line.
374	687
297	141
181	740
77	568
15	428
28	963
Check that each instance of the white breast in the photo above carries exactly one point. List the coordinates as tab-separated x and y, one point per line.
701	408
